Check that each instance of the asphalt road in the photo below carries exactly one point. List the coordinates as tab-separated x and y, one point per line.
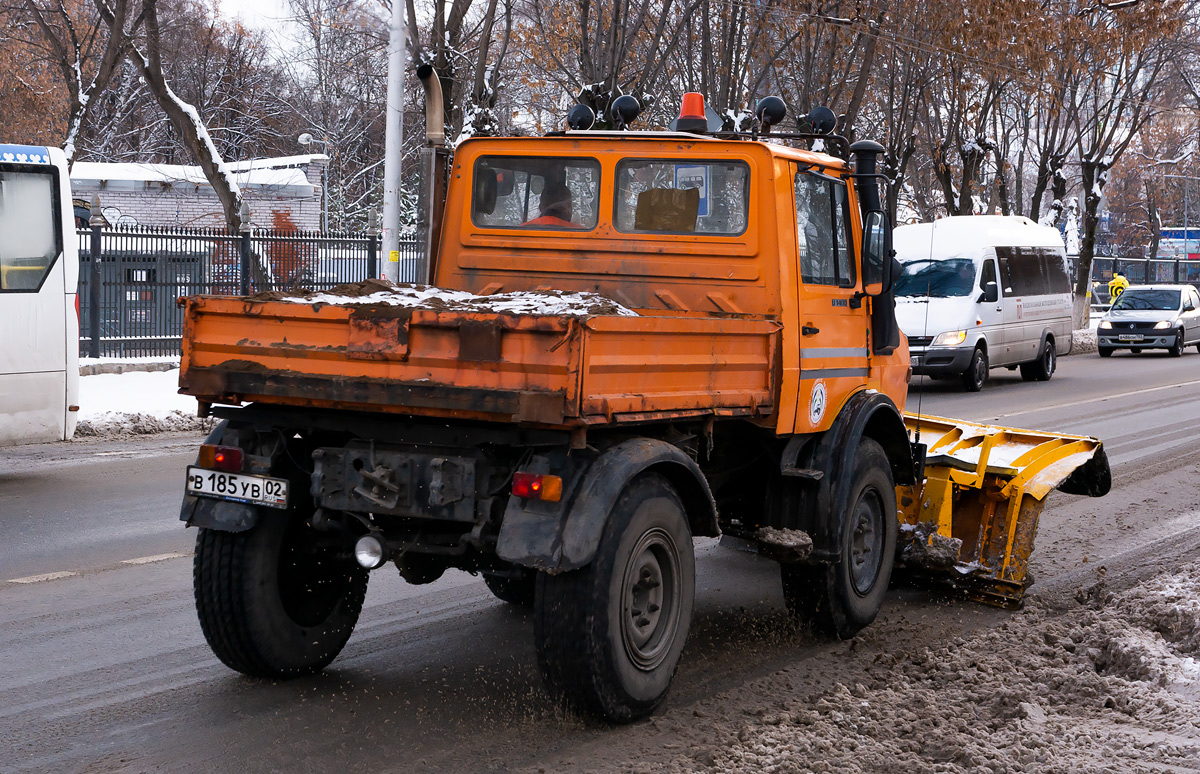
105	668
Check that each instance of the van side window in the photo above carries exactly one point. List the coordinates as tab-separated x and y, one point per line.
1033	271
822	233
30	238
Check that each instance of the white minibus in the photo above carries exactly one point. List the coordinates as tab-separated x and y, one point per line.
39	317
980	292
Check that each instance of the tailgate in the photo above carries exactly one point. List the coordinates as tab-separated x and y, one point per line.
547	369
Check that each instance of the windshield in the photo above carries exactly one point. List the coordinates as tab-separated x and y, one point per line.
951	278
1142	300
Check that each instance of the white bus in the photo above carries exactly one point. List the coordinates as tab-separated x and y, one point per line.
39	313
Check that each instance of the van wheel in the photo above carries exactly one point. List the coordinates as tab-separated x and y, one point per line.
1042	369
609	635
1107	351
843	598
976	373
1176	349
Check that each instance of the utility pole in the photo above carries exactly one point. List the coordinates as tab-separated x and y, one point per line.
393	140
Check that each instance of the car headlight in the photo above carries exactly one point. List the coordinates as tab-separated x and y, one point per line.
1164	324
1105	324
950	338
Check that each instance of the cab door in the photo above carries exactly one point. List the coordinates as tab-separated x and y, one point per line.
33	318
833	319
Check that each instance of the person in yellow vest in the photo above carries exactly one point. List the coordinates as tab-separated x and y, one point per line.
1117	285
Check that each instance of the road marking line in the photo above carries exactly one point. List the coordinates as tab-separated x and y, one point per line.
49	576
155	558
1096	400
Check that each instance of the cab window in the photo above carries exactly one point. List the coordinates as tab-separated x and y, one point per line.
30	238
823	241
682	197
535	193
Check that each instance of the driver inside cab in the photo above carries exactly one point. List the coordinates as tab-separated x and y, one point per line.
555	207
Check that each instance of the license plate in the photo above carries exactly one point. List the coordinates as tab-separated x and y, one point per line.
259	490
1128	337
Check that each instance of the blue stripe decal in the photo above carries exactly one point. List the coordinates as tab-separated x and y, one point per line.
24	154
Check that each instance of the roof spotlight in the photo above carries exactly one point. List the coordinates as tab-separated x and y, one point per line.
770	112
624	111
581	118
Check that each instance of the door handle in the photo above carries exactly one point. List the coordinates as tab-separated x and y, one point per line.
999	309
808	330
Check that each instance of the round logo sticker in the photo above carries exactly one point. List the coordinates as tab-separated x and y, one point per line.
816	404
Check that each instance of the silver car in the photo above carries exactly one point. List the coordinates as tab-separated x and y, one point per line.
1151	317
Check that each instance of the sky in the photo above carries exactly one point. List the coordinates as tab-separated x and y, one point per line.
263	14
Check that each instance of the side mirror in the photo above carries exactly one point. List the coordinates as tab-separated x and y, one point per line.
877	261
1188	307
990	294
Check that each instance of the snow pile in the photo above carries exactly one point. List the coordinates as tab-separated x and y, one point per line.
381	292
1114	685
135	403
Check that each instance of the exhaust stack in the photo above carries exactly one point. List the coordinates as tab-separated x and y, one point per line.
435	127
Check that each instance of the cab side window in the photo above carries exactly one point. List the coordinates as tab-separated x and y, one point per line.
988	274
823	241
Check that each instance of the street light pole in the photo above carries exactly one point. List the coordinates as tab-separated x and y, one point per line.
393	142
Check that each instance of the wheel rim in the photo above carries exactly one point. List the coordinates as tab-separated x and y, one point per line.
1049	360
650	599
980	369
313	578
866	542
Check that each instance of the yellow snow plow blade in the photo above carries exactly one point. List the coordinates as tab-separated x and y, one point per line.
974	517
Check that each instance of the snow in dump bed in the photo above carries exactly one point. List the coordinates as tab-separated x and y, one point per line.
382	292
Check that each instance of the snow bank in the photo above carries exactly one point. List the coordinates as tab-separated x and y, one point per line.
375	292
135	403
1113	686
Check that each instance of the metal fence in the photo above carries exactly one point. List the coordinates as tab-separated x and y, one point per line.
128	295
1141	271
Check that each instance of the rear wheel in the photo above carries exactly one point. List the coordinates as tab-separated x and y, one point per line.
279	600
1042	369
845	597
1104	351
1176	349
609	635
977	372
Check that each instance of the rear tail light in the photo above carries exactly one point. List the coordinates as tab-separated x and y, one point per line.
536	486
227	458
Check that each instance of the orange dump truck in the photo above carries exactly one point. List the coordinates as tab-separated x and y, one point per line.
629	340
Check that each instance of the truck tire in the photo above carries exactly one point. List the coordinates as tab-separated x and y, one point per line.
1042	369
514	589
274	601
843	598
609	635
977	372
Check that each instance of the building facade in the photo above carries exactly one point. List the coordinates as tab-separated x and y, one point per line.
283	193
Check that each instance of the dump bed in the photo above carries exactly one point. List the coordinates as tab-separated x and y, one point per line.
549	369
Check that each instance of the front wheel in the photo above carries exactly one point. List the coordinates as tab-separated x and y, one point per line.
977	372
1104	351
1176	349
609	635
279	600
1042	369
515	588
845	597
